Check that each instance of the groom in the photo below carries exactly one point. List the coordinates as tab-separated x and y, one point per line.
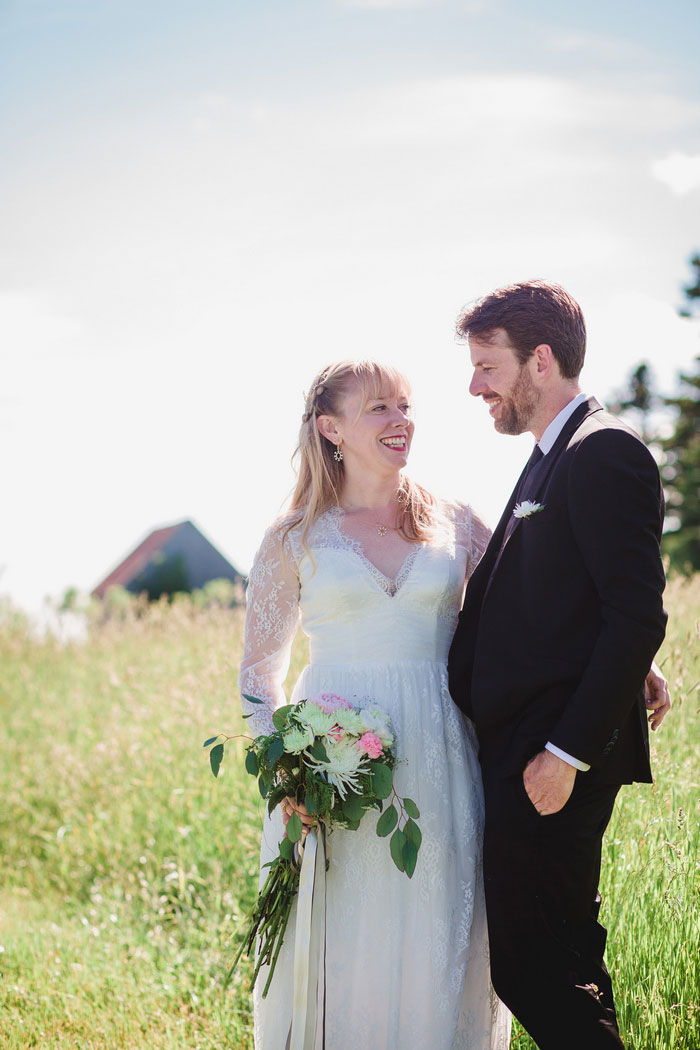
561	621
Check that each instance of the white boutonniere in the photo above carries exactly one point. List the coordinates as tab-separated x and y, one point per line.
527	508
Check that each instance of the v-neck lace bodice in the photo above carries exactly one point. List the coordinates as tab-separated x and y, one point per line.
335	519
349	609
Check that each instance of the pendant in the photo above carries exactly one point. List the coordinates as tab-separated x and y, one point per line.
381	530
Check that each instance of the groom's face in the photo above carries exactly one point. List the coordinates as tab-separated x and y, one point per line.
503	382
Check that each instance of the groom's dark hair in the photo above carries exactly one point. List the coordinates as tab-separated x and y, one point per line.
531	312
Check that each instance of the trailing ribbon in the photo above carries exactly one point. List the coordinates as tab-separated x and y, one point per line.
308	1031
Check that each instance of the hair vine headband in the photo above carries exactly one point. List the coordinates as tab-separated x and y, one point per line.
320	389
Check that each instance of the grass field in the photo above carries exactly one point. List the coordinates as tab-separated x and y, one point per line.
124	865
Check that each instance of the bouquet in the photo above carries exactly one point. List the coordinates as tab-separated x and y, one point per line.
338	761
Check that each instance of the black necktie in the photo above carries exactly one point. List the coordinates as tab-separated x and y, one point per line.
537	455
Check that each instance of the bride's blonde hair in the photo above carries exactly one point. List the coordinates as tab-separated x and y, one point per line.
320	475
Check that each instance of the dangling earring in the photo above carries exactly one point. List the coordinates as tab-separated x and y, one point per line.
338	454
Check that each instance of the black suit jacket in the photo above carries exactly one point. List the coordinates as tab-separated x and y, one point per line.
558	631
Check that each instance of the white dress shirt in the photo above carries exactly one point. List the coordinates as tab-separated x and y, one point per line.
546	443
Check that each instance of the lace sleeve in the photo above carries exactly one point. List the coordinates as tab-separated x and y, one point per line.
472	534
481	537
272	615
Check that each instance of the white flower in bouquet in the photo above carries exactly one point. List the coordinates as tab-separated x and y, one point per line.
374	720
297	738
350	721
318	721
345	764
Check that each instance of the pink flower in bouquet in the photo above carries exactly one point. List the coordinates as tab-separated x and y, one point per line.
337	734
330	702
371	745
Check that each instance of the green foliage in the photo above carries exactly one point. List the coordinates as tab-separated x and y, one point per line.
397	843
294	828
388	821
639	400
164	575
353	808
215	758
691	291
411	808
681	473
382	779
681	468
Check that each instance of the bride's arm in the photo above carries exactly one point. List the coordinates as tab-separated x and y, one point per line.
472	534
272	615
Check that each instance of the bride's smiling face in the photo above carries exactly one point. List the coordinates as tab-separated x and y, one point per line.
375	432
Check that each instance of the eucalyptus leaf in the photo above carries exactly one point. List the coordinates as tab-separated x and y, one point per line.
351	825
318	751
294	827
215	756
251	763
274	798
275	750
411	808
287	849
396	845
388	821
252	699
264	784
279	717
311	802
353	808
382	779
410	856
211	740
413	833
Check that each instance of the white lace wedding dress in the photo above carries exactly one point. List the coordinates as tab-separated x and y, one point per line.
406	960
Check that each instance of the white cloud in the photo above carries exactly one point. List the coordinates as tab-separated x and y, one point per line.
594	46
679	171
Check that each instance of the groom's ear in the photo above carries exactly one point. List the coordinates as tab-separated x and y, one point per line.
544	363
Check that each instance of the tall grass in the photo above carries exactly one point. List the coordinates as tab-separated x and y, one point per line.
124	866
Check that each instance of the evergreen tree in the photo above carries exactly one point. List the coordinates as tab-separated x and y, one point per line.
681	471
638	401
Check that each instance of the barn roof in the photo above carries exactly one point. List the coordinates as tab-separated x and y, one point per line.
137	561
183	539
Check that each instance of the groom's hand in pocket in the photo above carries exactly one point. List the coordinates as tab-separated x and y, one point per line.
548	782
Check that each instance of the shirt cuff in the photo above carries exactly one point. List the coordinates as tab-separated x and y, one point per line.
575	762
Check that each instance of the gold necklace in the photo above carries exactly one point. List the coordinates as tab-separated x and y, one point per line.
382	530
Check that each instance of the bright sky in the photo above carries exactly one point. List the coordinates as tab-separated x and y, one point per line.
204	203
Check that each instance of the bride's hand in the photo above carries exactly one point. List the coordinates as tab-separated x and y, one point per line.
289	806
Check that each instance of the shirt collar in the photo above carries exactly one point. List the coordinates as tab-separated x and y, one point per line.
555	428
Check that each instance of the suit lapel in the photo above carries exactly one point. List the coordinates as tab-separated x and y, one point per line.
537	477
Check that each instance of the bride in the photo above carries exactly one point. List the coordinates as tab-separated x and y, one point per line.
376	567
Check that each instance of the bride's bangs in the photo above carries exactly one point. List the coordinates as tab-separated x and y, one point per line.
378	381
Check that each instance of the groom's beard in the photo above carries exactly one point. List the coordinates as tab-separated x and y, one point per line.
518	408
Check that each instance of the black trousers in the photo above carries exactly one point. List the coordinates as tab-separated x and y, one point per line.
541	880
